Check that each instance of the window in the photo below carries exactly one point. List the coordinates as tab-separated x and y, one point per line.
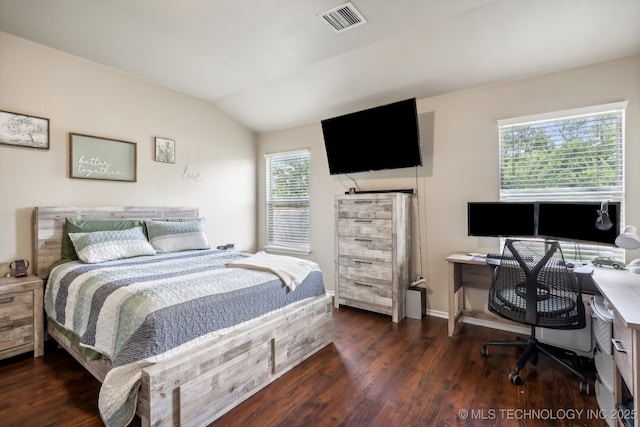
574	155
287	200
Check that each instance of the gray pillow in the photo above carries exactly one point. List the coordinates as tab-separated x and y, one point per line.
171	236
100	246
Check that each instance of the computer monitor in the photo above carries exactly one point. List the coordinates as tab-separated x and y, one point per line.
576	221
501	219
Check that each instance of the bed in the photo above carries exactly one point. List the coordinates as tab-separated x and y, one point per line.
199	377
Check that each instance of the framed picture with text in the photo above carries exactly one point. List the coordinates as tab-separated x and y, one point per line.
92	157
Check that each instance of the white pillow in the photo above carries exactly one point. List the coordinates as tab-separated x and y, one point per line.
173	236
99	246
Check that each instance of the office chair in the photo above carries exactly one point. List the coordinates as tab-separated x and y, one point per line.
533	286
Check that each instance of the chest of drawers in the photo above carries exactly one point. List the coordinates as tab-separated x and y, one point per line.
372	251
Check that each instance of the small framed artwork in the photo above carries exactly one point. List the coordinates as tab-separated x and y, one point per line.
165	150
92	157
21	130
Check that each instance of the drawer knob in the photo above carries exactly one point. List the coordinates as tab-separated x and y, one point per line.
363	240
618	345
366	221
363	284
357	261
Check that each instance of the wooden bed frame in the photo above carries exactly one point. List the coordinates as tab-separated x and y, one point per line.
198	387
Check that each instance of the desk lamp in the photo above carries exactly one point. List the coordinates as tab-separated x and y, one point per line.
628	239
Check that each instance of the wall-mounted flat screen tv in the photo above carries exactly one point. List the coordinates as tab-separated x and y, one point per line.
577	221
385	137
501	219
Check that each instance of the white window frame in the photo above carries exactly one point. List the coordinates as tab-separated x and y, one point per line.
575	251
290	234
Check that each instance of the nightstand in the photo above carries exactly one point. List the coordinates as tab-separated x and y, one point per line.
21	316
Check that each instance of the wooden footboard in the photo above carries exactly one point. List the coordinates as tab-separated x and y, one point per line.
196	388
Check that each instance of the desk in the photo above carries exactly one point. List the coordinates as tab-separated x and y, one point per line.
473	272
622	289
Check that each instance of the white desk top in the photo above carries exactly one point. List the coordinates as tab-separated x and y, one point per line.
622	289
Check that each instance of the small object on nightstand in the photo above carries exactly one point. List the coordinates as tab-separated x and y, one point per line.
19	267
222	247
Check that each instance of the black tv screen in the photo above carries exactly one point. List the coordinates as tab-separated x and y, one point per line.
385	137
501	219
577	221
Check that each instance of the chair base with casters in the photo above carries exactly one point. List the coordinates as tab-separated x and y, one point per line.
533	286
532	347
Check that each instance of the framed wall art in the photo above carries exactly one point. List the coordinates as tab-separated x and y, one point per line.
165	150
21	130
92	157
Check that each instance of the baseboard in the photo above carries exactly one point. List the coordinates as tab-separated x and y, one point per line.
437	313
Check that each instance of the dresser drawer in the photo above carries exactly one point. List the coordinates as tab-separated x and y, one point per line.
368	294
365	228
365	248
16	319
365	209
365	270
623	350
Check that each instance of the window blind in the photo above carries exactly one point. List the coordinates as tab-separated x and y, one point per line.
287	202
573	155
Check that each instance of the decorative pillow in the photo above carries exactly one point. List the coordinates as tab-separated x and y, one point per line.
171	236
99	246
85	226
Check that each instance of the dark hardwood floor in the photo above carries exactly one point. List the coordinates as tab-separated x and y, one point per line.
376	373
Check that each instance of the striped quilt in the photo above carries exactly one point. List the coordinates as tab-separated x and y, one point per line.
139	311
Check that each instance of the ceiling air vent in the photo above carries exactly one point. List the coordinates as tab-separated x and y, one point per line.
343	17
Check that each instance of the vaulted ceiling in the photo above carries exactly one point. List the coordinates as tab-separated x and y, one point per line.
273	64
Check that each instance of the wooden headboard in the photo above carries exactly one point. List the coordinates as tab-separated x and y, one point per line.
48	225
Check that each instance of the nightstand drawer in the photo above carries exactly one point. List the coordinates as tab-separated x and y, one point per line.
16	319
623	350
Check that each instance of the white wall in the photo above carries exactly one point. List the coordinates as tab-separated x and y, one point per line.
460	150
83	97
